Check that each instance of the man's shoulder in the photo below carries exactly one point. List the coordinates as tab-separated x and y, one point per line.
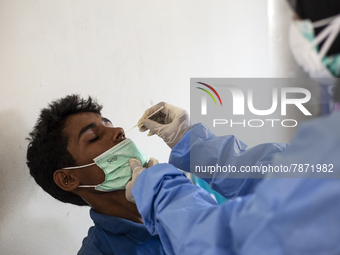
95	242
112	235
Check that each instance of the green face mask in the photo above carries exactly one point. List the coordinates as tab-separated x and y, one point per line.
115	164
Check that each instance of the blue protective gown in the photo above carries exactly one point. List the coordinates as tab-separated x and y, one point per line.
268	216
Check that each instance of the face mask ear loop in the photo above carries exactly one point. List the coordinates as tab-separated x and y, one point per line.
330	40
76	167
322	35
332	30
87	186
324	22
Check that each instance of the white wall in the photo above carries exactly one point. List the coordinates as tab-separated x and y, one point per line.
130	55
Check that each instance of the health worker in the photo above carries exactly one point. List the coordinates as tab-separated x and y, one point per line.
263	216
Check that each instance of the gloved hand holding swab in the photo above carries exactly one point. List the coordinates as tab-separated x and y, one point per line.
147	118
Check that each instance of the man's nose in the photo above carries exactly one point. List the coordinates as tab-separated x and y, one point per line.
117	134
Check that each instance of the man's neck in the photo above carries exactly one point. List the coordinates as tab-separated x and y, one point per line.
113	204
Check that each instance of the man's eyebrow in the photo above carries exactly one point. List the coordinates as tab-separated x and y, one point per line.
107	120
84	129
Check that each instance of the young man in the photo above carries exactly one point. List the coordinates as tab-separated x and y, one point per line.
71	132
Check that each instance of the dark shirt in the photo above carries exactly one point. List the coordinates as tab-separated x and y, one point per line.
112	235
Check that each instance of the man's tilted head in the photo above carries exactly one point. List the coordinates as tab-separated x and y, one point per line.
47	149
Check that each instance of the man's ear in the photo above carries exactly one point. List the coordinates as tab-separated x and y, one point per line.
65	180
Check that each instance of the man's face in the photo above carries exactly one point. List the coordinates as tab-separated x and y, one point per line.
89	135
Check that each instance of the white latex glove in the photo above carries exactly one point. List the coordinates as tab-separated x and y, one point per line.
170	124
136	168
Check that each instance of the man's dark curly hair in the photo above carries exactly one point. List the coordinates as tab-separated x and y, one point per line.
47	148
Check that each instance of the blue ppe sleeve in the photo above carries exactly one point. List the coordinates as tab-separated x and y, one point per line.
282	216
200	147
173	192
